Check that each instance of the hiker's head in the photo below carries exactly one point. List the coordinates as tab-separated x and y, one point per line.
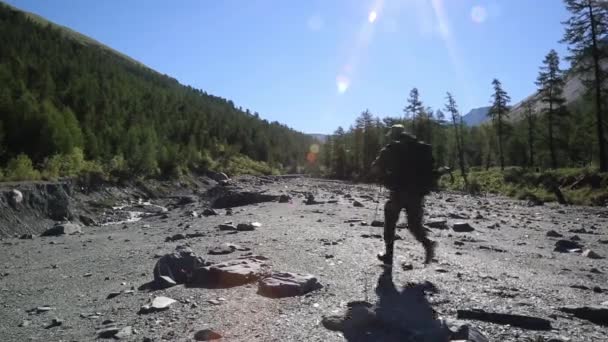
398	132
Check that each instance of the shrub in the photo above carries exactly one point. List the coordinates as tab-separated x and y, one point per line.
21	168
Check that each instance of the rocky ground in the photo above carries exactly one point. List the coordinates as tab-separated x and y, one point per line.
93	285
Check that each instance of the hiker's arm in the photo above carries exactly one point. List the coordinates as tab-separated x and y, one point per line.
377	166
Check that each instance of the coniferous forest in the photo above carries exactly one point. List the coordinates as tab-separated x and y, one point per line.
69	104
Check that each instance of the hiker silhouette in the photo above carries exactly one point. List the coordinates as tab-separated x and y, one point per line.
398	315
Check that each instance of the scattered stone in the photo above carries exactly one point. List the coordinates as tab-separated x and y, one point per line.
407	266
108	330
553	233
358	204
223	249
564	246
467	333
42	309
157	304
285	284
124	333
243	227
227	227
441	270
594	314
229	198
26	236
595	270
207	335
87	221
209	212
177	267
54	323
175	237
184	200
371	236
458	216
462	227
24	324
575	238
284	199
437	224
192	213
113	295
580	231
591	254
376	223
63	229
520	321
15	197
353	220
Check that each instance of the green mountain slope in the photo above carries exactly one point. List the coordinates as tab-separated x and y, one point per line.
60	90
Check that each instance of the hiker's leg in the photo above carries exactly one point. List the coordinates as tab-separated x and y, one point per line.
415	212
392	209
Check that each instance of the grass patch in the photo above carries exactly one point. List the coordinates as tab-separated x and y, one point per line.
584	186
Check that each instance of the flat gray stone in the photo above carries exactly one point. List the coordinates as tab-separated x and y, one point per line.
462	227
160	303
63	229
597	314
207	335
285	284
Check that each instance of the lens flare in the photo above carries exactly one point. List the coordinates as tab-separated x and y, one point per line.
314	148
372	17
342	83
479	14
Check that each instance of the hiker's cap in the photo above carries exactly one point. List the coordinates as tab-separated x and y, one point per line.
395	131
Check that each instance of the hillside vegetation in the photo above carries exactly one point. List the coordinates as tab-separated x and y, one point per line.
69	104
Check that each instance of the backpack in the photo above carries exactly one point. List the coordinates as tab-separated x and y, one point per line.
409	167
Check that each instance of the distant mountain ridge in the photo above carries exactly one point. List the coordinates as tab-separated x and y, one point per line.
476	116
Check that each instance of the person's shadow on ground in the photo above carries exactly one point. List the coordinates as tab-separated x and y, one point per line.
399	315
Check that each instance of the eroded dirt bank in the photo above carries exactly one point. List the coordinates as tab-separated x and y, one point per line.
506	265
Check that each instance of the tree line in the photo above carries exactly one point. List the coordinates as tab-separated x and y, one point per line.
63	97
550	133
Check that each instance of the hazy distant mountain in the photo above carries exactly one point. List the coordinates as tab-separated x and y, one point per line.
476	116
319	137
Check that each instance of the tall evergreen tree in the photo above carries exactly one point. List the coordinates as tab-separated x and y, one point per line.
498	112
414	108
530	117
586	31
452	108
550	83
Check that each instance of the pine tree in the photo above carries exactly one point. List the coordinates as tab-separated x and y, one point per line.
498	112
585	31
452	108
550	83
414	108
530	117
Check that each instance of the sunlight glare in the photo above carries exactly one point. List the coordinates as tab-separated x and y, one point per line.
479	14
342	83
372	17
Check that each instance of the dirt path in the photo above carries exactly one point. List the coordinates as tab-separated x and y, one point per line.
506	265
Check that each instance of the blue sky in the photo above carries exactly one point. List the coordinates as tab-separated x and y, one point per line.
315	65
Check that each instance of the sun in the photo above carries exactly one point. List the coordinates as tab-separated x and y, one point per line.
342	83
372	17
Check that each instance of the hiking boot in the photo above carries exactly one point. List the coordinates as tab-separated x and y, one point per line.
429	248
387	259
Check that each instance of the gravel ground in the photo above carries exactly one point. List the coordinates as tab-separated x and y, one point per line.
506	265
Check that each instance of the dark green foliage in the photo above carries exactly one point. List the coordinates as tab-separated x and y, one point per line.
586	33
499	111
58	93
458	129
550	87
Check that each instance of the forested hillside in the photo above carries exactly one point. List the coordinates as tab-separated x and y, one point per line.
67	104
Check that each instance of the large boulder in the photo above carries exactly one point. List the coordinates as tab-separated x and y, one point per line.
63	229
462	227
177	267
230	273
228	198
279	285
